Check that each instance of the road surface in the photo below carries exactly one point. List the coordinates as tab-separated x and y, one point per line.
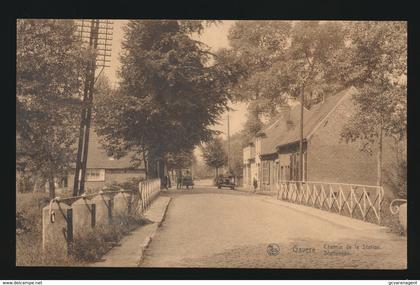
207	227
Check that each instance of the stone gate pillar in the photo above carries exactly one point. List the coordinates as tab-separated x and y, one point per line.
84	217
57	229
103	209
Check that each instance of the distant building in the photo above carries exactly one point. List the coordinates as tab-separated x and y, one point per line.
274	154
102	169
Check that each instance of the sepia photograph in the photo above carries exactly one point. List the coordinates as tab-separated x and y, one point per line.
260	144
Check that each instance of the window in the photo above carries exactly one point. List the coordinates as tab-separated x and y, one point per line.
95	174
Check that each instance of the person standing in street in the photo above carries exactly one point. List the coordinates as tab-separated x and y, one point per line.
255	184
179	181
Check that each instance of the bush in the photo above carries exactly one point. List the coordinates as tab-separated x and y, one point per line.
92	246
131	185
89	248
29	211
23	224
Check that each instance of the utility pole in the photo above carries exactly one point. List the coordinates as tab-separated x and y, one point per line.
96	37
228	138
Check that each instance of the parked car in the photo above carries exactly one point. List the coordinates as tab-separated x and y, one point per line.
226	181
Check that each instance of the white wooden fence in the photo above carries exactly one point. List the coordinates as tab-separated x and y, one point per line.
353	200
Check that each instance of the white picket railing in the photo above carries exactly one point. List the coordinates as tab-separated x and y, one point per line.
353	200
148	190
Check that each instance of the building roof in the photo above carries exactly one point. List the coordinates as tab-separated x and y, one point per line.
98	158
313	117
274	132
279	133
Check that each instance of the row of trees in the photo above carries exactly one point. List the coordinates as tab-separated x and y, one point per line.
275	60
169	94
166	81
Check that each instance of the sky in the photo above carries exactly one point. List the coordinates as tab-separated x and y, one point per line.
215	36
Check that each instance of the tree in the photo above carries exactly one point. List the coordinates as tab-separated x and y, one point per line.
214	154
256	46
180	160
253	124
285	60
48	63
169	95
377	66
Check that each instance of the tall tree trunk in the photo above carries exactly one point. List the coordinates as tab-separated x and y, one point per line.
379	162
51	186
217	172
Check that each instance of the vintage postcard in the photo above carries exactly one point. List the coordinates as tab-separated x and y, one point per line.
211	144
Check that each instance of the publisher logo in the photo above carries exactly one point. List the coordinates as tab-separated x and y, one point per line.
273	249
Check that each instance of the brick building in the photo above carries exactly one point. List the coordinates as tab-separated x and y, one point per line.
261	155
102	169
327	158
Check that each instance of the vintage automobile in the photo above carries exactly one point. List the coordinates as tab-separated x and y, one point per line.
186	178
187	181
226	181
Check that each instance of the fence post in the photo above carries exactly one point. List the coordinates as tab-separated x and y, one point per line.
84	215
56	229
330	199
364	203
351	201
104	205
381	192
402	215
141	189
340	199
122	203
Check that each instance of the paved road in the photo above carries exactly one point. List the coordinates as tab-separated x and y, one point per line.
206	227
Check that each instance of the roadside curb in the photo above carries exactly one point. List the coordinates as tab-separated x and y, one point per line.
131	250
150	238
